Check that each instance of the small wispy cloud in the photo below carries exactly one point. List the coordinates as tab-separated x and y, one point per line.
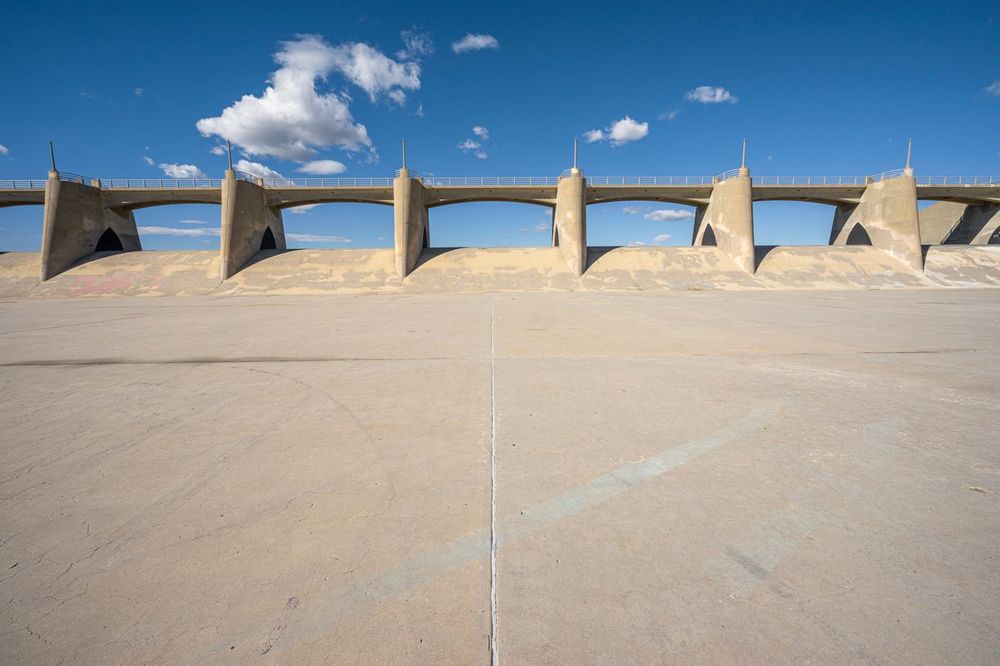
4	150
181	171
192	222
474	42
148	160
634	244
475	147
631	210
217	150
993	90
139	92
415	45
711	95
301	210
322	167
619	132
316	238
256	169
669	115
173	231
666	214
661	238
481	132
468	145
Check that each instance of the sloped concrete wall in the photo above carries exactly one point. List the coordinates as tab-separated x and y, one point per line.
75	218
570	222
728	218
245	218
410	220
888	214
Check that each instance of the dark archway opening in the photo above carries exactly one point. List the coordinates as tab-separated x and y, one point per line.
859	236
267	242
709	237
109	242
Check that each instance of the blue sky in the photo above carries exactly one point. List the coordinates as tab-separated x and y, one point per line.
830	89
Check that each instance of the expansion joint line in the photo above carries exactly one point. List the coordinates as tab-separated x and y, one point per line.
494	653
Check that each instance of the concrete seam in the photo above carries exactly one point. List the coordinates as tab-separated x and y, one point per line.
494	652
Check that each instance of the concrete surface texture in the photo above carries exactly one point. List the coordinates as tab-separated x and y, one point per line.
246	221
500	269
681	477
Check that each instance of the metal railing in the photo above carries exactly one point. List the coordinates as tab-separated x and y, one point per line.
486	181
958	180
810	180
327	182
158	183
68	177
650	180
17	184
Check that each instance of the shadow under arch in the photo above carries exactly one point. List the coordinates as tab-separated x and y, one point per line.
858	236
709	237
267	241
109	242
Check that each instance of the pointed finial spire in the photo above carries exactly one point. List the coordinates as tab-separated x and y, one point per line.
229	151
52	155
404	153
909	147
743	160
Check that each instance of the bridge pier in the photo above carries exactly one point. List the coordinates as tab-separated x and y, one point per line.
727	220
569	231
410	219
246	220
886	217
77	222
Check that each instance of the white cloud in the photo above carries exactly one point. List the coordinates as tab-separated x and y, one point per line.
256	169
669	115
139	92
181	170
468	145
665	214
711	95
192	222
481	154
371	70
217	150
631	210
148	160
473	42
993	90
301	210
661	238
292	119
322	167
620	132
313	238
481	132
171	231
416	44
541	227
635	244
4	150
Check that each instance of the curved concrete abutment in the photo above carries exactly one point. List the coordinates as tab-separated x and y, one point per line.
727	220
249	224
76	220
952	223
888	219
411	233
569	229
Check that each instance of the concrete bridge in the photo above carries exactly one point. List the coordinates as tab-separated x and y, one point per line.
84	215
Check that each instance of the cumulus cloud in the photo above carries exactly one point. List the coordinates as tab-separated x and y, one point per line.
256	169
661	238
171	231
416	45
217	150
4	150
292	119
711	95
322	167
481	132
373	71
468	145
666	214
481	154
472	42
993	90
314	238
620	132
181	170
473	146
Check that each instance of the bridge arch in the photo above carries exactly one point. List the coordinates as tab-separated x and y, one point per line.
491	222
640	222
178	226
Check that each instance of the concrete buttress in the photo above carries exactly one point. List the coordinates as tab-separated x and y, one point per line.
75	220
727	220
570	221
410	220
886	217
246	218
